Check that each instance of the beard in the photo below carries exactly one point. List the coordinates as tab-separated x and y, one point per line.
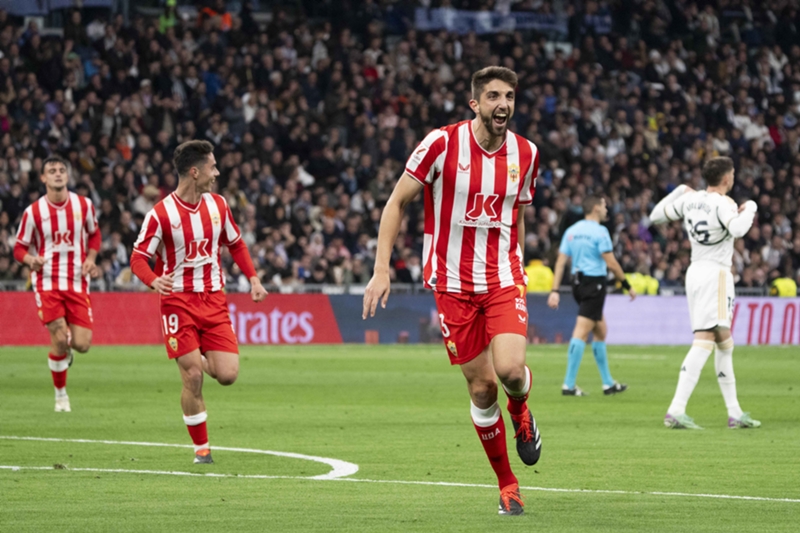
492	127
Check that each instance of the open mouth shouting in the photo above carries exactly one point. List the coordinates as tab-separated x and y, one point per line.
500	119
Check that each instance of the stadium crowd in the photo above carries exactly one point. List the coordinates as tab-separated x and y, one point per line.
314	115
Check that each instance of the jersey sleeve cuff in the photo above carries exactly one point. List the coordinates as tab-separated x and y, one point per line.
413	174
148	256
526	202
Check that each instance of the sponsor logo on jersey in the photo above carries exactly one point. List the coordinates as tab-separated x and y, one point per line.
463	168
451	347
62	238
198	249
522	319
520	303
173	343
482	213
174	226
513	172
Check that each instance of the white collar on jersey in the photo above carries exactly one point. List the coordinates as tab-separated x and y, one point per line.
484	150
56	206
188	207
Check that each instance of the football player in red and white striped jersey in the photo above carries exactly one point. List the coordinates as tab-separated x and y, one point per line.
185	231
477	178
58	239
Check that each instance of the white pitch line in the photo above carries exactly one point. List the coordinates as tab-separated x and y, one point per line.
339	468
400	482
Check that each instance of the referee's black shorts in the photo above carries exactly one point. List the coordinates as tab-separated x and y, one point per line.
590	293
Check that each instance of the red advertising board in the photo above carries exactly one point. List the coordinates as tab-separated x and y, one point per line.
134	318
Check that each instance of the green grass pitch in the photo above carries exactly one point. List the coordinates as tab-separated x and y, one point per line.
401	413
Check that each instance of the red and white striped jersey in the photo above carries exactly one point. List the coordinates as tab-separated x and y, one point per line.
187	240
59	233
471	202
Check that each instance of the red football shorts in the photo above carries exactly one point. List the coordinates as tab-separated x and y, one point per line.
470	321
192	320
74	307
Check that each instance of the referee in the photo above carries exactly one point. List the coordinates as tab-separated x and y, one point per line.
588	244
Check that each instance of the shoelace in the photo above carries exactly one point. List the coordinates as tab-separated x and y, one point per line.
511	492
524	428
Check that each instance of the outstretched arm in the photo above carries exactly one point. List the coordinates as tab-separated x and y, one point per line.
378	288
660	212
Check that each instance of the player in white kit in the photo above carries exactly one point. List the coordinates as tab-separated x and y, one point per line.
713	221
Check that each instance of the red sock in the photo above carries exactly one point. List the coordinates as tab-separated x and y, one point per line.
196	424
517	404
58	368
493	439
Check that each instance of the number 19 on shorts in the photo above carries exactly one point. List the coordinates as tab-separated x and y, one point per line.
170	323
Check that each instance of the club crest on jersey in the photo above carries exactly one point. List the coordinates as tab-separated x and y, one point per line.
482	213
78	217
215	219
173	343
513	172
451	347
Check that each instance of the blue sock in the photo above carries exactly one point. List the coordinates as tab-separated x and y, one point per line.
574	356
601	358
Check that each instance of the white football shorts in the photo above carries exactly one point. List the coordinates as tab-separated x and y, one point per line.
709	290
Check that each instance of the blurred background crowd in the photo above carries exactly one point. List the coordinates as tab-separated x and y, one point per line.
314	106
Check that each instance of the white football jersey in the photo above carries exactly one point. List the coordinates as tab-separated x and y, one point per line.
707	217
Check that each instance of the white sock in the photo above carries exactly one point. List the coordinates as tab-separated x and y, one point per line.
484	417
690	375
723	365
61	393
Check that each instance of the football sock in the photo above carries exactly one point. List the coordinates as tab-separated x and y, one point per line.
601	358
492	432
574	356
723	365
58	368
196	424
690	375
517	399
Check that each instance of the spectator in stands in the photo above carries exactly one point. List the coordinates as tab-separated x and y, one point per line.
312	115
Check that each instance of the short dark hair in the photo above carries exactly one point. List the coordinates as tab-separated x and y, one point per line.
715	168
485	75
54	159
190	154
590	202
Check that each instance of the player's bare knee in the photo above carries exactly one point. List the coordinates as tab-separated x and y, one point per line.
483	393
81	345
514	379
60	340
193	379
227	378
